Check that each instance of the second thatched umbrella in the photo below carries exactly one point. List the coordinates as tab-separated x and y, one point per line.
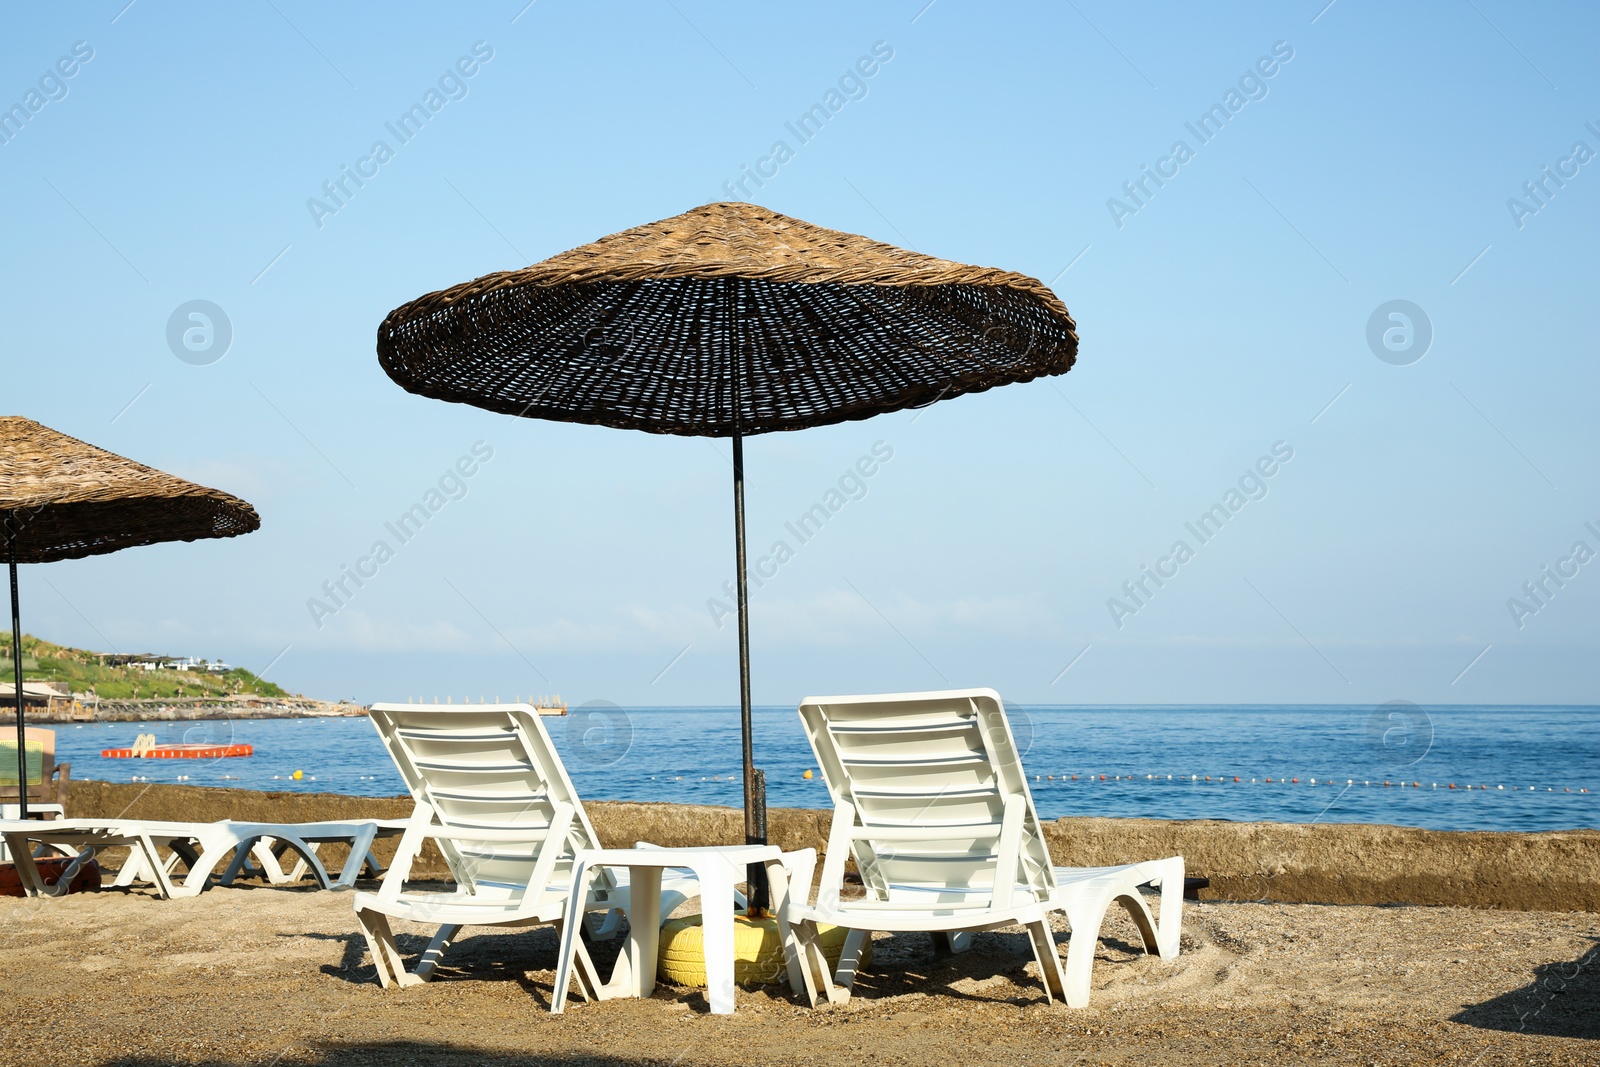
63	499
727	321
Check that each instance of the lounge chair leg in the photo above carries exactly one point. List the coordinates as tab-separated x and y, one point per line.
432	954
1133	903
199	865
948	943
850	957
265	852
603	926
380	942
27	872
802	979
370	864
1044	953
150	861
1085	920
811	978
131	869
816	964
1169	925
588	974
269	853
570	930
192	859
295	873
778	878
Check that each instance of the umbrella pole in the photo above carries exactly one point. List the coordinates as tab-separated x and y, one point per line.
755	784
16	663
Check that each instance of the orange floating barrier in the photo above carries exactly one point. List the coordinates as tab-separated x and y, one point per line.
180	751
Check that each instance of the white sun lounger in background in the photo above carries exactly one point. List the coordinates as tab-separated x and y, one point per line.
931	799
492	794
155	850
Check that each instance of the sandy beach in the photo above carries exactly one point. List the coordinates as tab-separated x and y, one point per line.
270	975
261	976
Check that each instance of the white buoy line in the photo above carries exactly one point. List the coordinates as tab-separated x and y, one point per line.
1225	779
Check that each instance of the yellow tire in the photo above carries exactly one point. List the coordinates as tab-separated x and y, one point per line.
757	951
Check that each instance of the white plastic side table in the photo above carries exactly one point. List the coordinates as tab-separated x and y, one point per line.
718	869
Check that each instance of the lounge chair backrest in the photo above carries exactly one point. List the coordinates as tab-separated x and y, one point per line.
485	767
927	781
39	748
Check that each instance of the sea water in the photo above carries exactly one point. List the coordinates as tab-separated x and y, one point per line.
1124	761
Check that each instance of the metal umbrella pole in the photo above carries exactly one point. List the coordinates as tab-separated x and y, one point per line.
16	663
755	782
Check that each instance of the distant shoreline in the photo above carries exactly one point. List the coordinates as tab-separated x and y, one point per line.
199	709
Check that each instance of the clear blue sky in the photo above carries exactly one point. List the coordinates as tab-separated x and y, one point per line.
1222	313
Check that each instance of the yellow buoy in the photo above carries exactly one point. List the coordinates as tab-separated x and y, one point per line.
808	775
757	951
297	775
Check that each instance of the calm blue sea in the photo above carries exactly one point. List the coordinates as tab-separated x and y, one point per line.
1542	756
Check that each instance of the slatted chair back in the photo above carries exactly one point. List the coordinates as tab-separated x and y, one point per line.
489	767
39	748
929	790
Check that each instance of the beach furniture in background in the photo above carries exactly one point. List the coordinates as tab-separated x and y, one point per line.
931	800
64	499
492	793
46	779
155	850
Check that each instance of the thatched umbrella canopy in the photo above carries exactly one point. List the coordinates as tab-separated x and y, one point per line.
63	499
726	321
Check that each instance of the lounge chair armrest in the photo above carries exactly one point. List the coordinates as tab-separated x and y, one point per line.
1010	850
840	836
801	865
394	879
560	824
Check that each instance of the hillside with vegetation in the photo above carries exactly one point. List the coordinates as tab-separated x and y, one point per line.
84	673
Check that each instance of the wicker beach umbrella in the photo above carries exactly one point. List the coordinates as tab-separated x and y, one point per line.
726	321
64	499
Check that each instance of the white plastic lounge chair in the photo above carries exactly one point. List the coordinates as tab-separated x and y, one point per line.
930	798
492	793
201	847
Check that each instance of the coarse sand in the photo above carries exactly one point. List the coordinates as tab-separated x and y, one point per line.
257	975
1358	945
